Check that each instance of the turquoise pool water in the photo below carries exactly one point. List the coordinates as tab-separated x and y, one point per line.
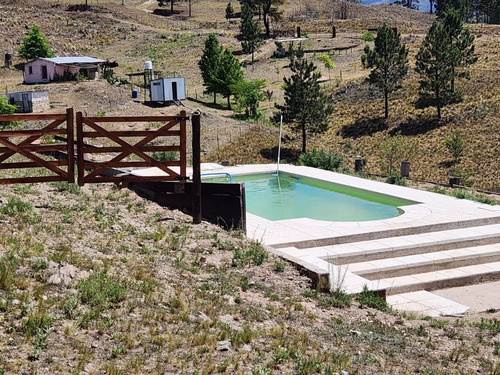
289	197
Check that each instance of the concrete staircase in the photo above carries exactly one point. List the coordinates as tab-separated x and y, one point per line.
410	263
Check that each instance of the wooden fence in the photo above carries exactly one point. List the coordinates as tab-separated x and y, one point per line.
119	153
29	144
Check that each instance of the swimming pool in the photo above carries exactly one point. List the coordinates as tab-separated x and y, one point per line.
291	197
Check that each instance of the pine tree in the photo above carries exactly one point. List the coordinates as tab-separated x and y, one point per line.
463	41
35	45
306	106
229	11
250	30
209	64
434	63
389	60
229	73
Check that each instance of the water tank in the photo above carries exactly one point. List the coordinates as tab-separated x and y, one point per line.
148	65
8	60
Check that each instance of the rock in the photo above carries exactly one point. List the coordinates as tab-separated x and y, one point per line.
229	320
247	348
64	273
223	346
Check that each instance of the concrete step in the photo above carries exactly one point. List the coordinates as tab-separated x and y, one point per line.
427	262
427	304
423	243
371	235
442	279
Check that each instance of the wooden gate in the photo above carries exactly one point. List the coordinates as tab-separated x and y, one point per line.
102	162
22	144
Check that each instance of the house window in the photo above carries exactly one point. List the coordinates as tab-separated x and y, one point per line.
44	71
30	70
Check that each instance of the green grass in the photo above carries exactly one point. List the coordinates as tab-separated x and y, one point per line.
101	290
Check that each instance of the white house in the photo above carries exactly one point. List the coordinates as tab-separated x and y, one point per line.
44	70
168	89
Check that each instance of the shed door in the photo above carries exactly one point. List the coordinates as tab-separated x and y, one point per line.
26	104
174	90
44	72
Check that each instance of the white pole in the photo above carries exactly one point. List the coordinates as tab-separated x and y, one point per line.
279	145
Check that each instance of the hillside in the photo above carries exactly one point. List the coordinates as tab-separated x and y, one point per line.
96	280
131	34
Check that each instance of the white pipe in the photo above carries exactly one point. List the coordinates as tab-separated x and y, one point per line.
279	145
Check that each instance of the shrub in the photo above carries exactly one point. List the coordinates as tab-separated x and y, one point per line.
370	298
16	206
338	299
280	51
322	159
165	156
101	290
396	179
7	109
367	36
6	274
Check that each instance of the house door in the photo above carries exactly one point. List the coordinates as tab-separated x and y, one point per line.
174	90
44	72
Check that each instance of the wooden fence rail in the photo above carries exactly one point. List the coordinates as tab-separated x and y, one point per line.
93	169
28	144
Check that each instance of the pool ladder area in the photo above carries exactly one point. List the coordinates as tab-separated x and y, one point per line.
219	174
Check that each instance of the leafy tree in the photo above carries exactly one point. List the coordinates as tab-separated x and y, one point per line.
7	109
209	64
229	73
434	62
35	45
250	30
328	63
306	106
389	60
394	150
463	42
229	11
249	94
270	11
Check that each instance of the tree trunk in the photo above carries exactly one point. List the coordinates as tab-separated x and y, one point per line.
431	3
438	104
303	138
266	25
189	3
215	97
386	103
171	6
229	102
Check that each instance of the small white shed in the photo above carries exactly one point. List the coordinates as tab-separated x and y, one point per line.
168	89
30	101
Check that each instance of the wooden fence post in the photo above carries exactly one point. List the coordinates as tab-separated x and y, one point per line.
79	146
70	141
195	120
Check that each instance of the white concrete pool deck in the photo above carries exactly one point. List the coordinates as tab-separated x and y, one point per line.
436	219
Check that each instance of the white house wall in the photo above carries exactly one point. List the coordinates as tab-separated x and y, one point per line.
36	71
